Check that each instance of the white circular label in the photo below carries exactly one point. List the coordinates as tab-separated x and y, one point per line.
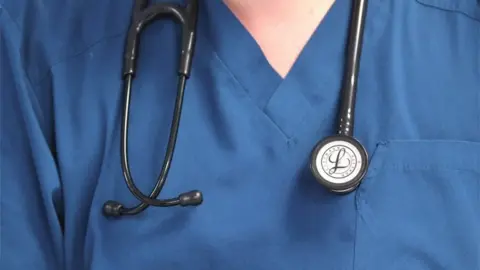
338	162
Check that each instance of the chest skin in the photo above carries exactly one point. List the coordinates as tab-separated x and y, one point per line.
283	32
246	135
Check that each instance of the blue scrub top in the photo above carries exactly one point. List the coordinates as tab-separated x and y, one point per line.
245	139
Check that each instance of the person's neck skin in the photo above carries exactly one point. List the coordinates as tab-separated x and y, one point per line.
281	27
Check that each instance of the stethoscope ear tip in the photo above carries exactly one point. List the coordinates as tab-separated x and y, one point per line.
112	209
339	163
191	198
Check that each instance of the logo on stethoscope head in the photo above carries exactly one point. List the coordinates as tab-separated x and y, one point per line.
339	161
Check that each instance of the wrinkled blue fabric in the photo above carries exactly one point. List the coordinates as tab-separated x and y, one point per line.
245	140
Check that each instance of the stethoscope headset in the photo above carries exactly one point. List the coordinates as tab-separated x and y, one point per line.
338	162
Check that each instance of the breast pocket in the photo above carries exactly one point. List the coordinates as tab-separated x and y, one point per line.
419	207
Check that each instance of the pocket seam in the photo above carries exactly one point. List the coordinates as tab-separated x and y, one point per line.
461	7
378	160
408	168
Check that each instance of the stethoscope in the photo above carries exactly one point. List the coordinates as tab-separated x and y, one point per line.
338	162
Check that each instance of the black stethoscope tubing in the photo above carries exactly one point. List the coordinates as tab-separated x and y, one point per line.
352	67
346	114
186	16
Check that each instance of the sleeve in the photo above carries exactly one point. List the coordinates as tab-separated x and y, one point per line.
30	190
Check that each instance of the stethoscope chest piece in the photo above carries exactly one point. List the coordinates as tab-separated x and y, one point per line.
339	163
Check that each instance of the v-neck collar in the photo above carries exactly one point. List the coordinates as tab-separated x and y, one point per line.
245	60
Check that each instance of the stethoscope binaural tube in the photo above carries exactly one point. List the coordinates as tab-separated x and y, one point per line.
142	17
340	162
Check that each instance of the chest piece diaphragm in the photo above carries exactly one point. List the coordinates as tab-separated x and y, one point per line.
339	163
